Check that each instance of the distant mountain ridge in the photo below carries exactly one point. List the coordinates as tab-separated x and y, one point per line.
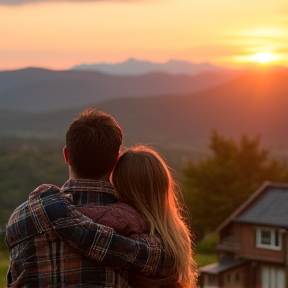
138	67
254	103
36	89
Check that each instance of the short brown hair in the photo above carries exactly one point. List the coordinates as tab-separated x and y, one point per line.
93	141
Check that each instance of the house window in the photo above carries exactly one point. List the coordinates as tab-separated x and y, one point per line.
210	281
268	238
237	277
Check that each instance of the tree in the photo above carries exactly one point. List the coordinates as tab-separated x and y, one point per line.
21	171
216	186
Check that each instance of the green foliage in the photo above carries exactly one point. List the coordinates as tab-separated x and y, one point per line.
217	185
3	246
4	259
205	259
207	245
22	170
45	144
4	264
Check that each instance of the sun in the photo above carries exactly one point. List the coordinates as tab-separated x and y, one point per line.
262	57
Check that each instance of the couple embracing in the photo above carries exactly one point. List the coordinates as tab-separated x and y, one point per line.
116	222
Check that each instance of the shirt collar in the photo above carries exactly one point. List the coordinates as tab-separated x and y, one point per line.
81	185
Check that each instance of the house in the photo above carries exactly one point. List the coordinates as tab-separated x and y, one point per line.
253	243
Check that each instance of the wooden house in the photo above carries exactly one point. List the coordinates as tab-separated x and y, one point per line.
253	243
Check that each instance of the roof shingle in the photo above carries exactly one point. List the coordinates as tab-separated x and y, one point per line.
270	209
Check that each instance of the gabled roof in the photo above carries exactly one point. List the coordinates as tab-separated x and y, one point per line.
267	206
217	268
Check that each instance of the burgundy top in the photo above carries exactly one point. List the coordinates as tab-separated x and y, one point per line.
124	219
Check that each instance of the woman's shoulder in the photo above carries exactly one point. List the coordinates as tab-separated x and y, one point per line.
123	218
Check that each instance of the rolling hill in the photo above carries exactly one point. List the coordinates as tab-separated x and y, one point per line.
254	103
35	89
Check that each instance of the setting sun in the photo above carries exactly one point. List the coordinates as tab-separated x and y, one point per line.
262	57
254	34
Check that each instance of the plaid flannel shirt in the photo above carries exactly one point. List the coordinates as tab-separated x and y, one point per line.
38	232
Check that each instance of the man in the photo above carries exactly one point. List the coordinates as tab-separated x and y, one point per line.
54	245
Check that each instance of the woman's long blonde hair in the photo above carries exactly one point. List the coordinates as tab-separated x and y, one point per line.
143	180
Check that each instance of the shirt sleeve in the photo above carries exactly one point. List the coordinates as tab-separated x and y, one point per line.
96	241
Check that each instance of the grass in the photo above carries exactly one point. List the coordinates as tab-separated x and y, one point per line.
205	259
206	251
4	263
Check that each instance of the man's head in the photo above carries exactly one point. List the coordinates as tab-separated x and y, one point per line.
92	147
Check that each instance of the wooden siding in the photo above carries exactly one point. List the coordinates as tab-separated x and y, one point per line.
236	278
248	249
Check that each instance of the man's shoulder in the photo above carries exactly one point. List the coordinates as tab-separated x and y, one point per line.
44	189
27	219
16	213
20	211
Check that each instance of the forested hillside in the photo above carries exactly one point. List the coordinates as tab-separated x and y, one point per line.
28	162
254	103
23	170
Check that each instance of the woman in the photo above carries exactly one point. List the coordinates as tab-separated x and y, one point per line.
143	180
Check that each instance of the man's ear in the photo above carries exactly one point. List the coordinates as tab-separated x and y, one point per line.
66	156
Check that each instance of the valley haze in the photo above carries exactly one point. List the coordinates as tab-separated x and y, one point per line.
174	110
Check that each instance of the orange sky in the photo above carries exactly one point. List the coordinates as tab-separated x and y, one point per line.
59	35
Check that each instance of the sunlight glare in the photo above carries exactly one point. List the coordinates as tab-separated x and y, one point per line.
262	57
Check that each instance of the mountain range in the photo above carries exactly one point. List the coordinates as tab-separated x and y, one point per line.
134	67
254	102
36	89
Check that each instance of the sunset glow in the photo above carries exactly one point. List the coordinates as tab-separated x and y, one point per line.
59	35
262	57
